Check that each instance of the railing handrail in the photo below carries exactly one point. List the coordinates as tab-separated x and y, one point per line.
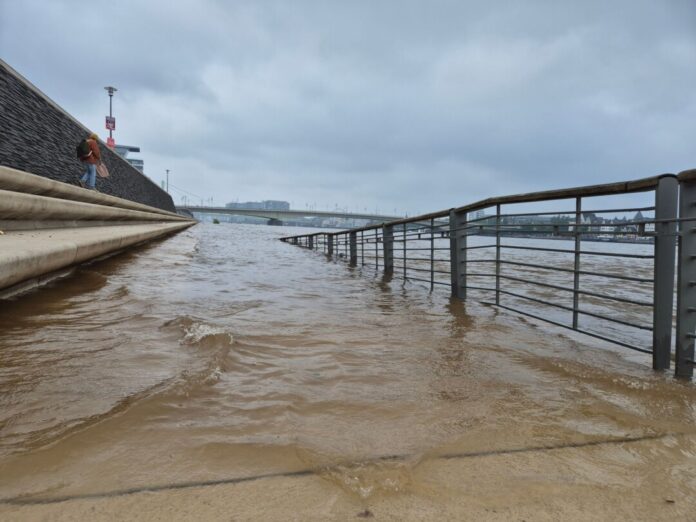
687	175
606	189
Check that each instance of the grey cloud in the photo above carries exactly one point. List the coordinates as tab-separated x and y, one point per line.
404	104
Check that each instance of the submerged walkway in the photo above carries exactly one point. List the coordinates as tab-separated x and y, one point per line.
214	376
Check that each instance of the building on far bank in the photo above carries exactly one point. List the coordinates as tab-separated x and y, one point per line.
260	205
123	151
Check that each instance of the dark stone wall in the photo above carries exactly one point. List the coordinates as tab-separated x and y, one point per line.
38	137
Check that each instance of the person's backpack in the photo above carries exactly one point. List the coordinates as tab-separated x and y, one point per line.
83	150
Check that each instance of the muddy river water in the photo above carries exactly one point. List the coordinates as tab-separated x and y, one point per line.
222	353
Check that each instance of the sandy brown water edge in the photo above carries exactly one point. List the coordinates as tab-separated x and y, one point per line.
535	484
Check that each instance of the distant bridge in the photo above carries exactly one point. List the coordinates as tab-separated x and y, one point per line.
278	216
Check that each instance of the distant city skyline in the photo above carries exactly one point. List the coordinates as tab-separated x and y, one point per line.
260	205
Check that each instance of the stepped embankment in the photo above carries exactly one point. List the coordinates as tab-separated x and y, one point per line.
49	227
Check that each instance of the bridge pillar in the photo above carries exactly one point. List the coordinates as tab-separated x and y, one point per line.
388	248
310	242
353	244
330	244
458	233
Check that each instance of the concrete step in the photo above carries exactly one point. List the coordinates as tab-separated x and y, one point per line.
23	182
20	206
49	226
27	259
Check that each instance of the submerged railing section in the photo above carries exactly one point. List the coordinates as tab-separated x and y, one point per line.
588	258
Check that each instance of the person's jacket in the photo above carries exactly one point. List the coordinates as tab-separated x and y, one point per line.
95	157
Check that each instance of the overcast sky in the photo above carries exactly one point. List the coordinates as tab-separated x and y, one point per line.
406	106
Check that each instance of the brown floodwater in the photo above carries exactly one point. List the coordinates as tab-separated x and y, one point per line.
222	353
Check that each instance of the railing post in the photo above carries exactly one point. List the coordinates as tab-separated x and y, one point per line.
388	248
403	250
457	223
362	248
686	276
497	254
577	230
353	242
666	196
376	249
432	254
330	244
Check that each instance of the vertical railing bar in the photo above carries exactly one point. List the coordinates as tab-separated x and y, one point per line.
686	290
497	254
362	248
376	249
388	248
353	248
404	250
576	261
458	253
432	254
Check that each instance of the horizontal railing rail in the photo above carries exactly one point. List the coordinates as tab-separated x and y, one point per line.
555	266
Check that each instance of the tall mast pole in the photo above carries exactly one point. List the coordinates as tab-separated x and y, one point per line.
111	90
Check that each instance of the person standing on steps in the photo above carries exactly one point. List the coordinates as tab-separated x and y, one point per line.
89	154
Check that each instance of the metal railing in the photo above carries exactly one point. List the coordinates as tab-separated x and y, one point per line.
556	266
